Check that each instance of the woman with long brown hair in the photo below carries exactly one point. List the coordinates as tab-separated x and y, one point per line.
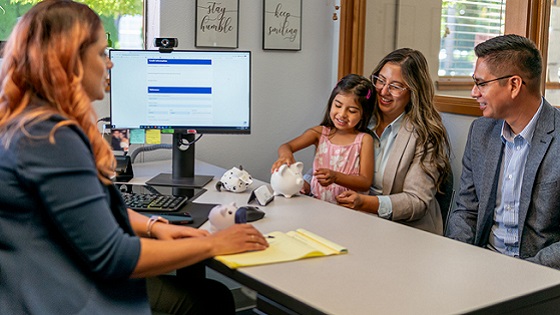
411	145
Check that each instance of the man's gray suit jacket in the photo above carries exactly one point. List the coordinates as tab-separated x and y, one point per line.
539	209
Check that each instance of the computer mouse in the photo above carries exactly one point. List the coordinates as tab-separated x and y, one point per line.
253	213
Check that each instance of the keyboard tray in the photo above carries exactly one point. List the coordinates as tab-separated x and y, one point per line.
154	202
157	198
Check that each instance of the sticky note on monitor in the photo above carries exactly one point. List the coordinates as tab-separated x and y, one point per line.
137	136
153	136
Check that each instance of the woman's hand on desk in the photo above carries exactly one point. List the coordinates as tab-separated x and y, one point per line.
161	230
353	200
238	238
350	199
172	231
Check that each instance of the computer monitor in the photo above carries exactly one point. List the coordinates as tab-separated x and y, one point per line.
190	92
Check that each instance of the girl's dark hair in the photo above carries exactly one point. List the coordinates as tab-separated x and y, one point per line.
363	91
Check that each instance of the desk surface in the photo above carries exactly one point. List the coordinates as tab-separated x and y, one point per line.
390	268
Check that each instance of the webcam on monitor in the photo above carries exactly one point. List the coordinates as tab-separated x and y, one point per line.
166	43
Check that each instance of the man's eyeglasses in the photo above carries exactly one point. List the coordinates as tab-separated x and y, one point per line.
482	85
394	89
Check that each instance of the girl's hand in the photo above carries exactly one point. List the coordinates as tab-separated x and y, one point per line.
282	160
325	176
350	199
238	238
163	231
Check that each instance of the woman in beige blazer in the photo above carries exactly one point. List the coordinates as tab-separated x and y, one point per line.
411	145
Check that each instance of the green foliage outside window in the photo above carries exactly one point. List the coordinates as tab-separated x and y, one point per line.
109	10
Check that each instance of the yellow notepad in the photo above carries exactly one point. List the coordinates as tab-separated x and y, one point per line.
283	247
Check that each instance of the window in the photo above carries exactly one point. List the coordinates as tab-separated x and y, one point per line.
464	24
528	18
552	92
9	14
122	19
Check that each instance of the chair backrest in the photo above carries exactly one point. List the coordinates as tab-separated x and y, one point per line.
445	198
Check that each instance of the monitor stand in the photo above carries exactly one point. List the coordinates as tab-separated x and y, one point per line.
166	179
182	165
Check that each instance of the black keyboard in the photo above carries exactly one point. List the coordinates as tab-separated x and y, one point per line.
153	202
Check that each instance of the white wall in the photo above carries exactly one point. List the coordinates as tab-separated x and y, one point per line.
290	89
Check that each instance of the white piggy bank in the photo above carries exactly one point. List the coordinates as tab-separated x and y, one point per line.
287	180
224	216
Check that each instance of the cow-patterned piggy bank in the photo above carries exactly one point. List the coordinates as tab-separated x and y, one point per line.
235	180
224	216
287	180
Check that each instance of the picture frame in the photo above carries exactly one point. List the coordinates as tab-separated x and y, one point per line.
217	23
119	139
282	22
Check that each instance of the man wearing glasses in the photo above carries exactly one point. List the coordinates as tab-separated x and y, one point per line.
509	200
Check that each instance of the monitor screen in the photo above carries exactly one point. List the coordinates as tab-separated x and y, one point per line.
196	91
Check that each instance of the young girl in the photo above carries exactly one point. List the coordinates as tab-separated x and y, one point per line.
344	157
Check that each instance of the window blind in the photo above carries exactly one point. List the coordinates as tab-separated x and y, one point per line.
464	24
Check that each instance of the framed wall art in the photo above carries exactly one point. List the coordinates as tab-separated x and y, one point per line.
217	23
282	21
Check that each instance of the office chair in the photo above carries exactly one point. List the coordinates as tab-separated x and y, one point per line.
445	198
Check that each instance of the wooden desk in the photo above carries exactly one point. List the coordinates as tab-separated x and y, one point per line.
389	269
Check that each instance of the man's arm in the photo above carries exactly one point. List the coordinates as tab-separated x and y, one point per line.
548	256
